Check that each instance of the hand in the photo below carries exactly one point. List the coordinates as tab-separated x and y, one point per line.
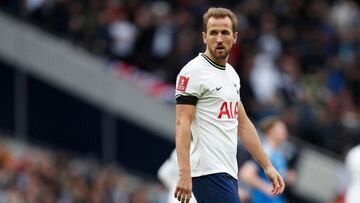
277	181
183	189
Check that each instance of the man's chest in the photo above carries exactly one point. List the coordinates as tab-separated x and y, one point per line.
221	96
222	87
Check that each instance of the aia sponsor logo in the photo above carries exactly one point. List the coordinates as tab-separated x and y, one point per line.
182	84
229	110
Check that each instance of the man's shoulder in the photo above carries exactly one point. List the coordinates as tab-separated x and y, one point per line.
196	65
231	68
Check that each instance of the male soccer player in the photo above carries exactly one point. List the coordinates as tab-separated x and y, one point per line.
210	115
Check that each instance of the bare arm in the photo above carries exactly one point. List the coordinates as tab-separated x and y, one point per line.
251	141
184	117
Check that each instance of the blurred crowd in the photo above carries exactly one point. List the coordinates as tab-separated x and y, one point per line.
299	59
30	174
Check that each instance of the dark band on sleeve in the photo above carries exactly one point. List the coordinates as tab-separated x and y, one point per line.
192	100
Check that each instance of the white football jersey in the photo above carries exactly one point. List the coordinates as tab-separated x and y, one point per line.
214	127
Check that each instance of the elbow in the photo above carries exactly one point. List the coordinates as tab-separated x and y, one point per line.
178	126
178	123
242	130
181	124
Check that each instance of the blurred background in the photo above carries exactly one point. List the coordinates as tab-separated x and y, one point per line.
87	92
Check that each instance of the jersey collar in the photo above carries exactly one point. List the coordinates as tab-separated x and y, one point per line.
221	67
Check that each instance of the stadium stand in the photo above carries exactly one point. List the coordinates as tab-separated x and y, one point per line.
36	174
310	50
297	59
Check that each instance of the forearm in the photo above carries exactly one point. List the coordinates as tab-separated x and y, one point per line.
183	141
251	141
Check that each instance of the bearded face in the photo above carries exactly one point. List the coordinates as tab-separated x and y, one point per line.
219	37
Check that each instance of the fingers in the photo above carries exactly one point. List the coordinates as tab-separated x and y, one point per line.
275	186
182	195
185	198
176	192
278	185
282	185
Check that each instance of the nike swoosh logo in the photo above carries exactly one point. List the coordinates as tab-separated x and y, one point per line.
218	88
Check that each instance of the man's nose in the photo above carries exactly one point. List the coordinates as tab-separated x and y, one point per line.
219	39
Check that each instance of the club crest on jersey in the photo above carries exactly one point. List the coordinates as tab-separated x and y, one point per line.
229	110
182	84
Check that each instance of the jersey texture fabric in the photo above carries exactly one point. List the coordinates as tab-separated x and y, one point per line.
216	90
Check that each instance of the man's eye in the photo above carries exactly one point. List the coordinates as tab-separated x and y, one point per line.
213	33
225	32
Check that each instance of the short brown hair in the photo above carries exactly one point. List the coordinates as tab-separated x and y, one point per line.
268	123
219	13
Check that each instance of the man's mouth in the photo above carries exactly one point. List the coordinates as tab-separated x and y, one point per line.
220	48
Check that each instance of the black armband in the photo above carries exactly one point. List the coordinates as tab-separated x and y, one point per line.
192	100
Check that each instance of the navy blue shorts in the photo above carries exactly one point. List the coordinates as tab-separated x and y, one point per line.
216	188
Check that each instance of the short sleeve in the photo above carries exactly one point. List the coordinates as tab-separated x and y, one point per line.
189	83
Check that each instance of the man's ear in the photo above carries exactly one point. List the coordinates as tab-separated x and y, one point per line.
204	37
235	37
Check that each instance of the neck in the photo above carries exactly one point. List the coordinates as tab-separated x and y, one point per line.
218	61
